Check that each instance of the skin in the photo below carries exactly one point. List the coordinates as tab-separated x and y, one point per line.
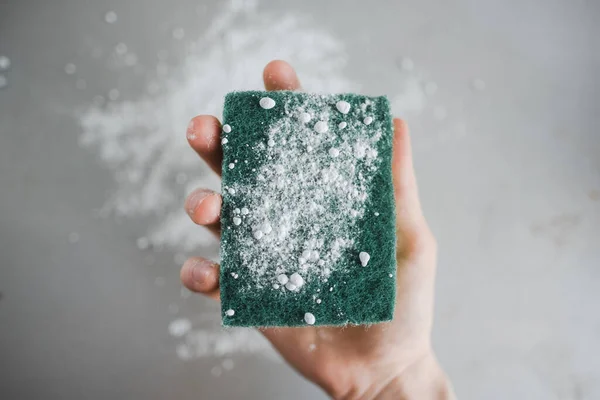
384	361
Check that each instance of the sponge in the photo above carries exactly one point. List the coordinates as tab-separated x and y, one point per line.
308	218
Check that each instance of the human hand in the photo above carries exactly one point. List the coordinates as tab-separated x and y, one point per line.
382	361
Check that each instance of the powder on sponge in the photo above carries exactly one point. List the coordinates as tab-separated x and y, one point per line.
306	171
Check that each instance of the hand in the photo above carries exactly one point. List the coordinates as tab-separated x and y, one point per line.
389	360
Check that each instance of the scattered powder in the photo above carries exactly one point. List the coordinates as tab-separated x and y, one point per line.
70	69
180	327
110	17
4	63
141	139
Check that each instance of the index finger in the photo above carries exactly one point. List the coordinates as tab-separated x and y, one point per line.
279	75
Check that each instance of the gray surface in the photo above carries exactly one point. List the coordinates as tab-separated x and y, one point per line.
514	204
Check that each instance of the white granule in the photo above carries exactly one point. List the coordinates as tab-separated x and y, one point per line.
4	63
364	258
283	279
290	286
318	301
110	17
343	106
226	128
271	143
231	165
309	318
237	220
70	69
231	190
275	286
321	127
224	141
230	313
297	280
267	103
245	211
180	327
368	120
305	117
333	152
342	125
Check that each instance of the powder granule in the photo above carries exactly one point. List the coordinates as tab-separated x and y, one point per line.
307	170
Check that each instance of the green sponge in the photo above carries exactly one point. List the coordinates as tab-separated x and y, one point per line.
308	218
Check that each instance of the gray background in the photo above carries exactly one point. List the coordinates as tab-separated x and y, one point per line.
514	203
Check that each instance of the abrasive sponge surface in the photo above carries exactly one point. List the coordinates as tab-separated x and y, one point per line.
308	212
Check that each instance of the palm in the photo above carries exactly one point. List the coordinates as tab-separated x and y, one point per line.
320	353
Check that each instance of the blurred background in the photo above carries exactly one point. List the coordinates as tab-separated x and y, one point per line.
504	104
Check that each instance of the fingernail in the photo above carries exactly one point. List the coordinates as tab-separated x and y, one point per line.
190	132
195	199
201	273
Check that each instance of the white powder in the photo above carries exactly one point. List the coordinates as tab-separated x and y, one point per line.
143	141
291	225
309	318
180	327
4	63
267	103
70	69
110	17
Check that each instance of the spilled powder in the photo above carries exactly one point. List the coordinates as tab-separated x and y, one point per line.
141	139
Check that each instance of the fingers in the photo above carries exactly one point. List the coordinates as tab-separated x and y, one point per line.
403	175
201	276
204	135
204	208
415	240
279	75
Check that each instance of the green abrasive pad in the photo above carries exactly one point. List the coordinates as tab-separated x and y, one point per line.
308	218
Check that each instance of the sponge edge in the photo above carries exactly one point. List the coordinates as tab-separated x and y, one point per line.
307	192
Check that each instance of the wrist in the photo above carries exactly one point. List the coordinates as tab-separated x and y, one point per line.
423	380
